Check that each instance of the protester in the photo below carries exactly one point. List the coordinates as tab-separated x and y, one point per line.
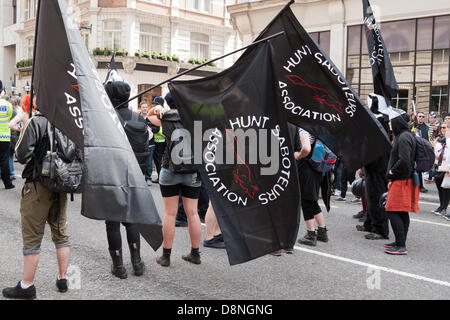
160	141
213	235
172	184
346	178
203	205
431	123
151	131
310	184
119	92
6	112
421	129
403	194
38	206
441	150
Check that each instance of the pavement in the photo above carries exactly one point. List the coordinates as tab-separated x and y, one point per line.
348	267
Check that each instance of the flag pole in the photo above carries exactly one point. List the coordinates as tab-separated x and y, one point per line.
34	56
199	66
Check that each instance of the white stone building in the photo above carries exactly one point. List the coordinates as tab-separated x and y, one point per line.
198	29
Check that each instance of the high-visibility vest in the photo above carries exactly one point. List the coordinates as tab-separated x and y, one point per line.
6	111
159	137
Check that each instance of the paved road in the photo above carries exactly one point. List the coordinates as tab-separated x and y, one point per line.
348	267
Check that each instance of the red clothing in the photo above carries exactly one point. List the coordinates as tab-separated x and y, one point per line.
403	196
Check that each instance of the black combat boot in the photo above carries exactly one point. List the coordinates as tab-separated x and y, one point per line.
310	239
138	264
117	267
322	234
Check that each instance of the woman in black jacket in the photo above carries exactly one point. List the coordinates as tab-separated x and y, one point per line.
403	195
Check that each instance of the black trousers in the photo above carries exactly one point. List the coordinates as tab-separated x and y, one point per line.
400	226
115	238
158	154
346	177
4	163
444	194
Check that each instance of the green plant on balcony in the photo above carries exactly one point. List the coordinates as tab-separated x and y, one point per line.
24	63
120	53
108	52
98	52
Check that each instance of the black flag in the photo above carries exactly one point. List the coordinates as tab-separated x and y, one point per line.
72	97
318	98
383	74
256	200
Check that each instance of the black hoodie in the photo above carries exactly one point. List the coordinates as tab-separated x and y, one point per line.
401	161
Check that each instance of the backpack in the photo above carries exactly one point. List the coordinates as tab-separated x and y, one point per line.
322	158
61	168
138	137
181	158
424	156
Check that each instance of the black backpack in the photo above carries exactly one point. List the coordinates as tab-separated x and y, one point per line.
58	164
138	137
424	155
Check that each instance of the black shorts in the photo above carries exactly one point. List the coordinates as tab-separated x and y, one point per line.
310	208
177	189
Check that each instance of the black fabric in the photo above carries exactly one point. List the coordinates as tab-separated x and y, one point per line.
115	238
382	71
177	189
346	178
424	131
255	218
444	194
4	163
401	161
202	207
317	98
310	208
160	148
118	92
400	225
309	181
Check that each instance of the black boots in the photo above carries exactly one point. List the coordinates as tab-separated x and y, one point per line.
164	260
322	234
117	267
310	239
138	265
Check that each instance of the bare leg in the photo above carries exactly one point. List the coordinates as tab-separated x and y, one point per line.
211	222
30	263
320	219
170	213
62	254
194	224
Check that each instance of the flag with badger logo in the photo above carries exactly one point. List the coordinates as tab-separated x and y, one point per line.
318	98
243	146
72	97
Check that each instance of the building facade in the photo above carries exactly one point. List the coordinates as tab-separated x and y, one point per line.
152	39
416	33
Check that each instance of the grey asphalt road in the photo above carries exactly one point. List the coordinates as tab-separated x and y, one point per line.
348	267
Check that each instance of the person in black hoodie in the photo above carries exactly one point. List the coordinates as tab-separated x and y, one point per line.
118	92
403	194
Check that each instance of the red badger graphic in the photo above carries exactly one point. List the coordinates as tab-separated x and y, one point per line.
242	174
320	94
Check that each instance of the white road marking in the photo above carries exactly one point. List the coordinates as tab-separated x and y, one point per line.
385	269
427	202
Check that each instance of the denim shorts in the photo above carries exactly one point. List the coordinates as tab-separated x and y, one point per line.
174	184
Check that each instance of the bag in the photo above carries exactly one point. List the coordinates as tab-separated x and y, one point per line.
424	156
446	182
61	169
416	179
138	137
358	187
322	158
181	158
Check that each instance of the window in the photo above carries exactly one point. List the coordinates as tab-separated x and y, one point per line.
439	99
399	36
199	45
150	38
323	39
440	56
29	47
201	5
401	100
112	35
30	9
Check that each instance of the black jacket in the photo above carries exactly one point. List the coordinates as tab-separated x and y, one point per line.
401	161
30	141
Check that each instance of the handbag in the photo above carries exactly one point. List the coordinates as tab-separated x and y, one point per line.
446	182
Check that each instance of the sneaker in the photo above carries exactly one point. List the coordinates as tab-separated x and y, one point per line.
180	223
289	251
396	250
375	236
359	215
340	199
214	243
149	182
192	258
356	200
437	211
18	293
361	228
423	190
61	284
163	261
276	253
447	217
389	245
219	237
11	186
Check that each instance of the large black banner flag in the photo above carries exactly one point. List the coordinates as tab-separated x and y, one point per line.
71	96
318	98
254	191
383	74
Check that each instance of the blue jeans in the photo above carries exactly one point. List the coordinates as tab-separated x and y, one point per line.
148	173
11	166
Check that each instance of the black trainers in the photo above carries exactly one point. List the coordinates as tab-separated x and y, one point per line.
192	258
18	293
163	261
396	250
359	215
375	236
214	243
322	234
10	187
389	245
219	237
361	228
310	239
423	190
61	284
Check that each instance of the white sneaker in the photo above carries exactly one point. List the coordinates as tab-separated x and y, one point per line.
149	182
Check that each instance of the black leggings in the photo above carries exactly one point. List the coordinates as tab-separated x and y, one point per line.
444	194
310	208
400	225
115	238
